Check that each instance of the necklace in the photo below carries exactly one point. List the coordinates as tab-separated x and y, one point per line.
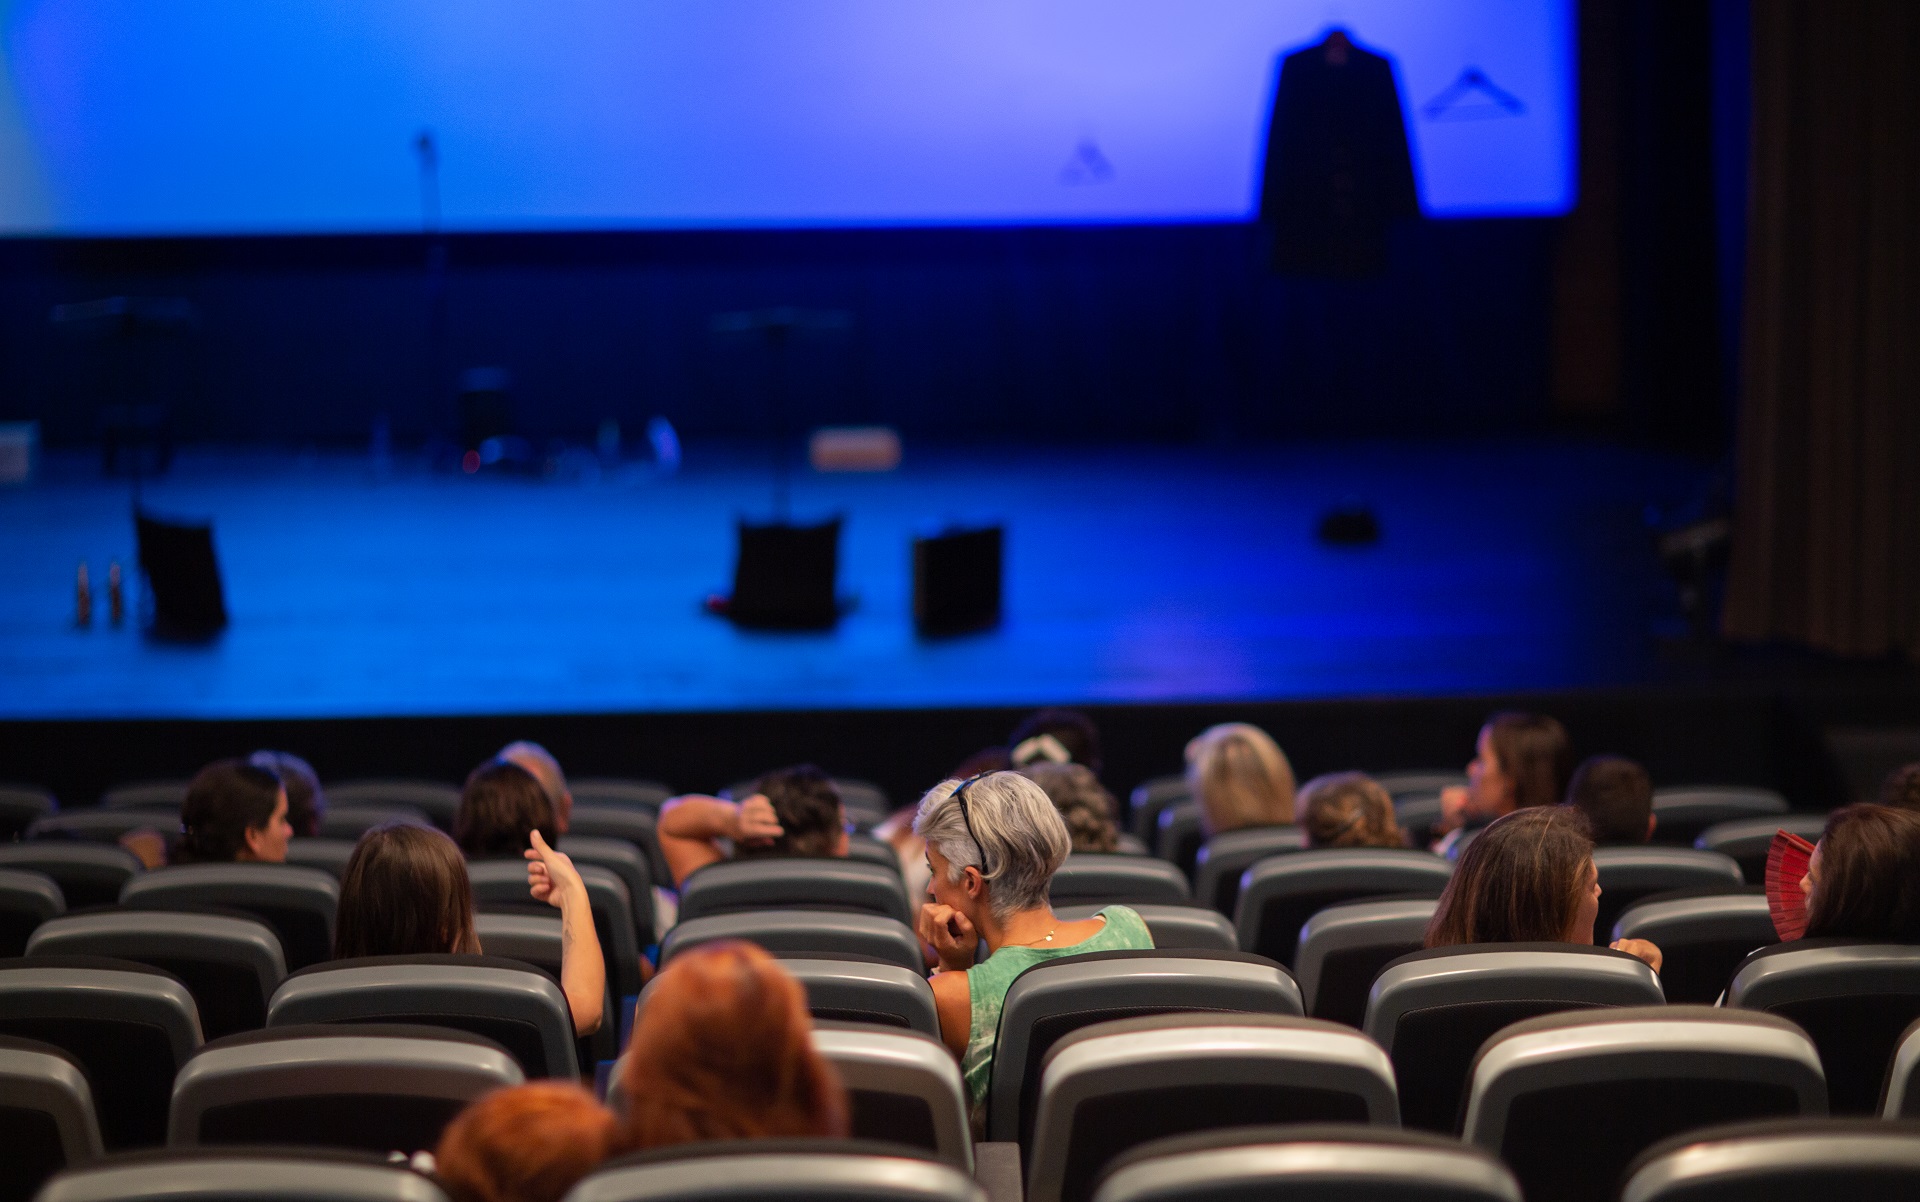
1046	938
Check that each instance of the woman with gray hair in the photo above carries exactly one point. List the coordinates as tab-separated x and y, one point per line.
994	842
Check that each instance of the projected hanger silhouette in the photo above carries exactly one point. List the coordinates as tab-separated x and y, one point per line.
1472	97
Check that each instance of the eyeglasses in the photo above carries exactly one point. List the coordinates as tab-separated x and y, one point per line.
966	819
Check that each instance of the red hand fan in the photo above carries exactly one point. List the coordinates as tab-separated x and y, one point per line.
1787	862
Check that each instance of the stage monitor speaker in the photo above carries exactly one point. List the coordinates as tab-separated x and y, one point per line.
956	581
183	577
785	575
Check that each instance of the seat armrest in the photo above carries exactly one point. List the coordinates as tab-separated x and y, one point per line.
996	1166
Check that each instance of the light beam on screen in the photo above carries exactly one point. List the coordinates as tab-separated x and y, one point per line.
232	116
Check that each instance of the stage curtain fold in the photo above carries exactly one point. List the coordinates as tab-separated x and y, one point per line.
1827	523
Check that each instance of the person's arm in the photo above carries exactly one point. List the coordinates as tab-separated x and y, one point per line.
691	829
955	942
953	1002
552	878
1642	949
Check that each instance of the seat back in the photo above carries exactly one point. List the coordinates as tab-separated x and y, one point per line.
298	903
1684	813
1748	840
804	933
632	823
1568	1100
46	1116
811	883
328	855
1900	1096
349	822
1280	894
858	991
538	939
627	862
99	826
146	795
89	874
1113	1086
871	850
1433	1009
1628	874
619	791
377	1087
231	965
438	800
1419	781
1171	926
129	1026
1149	797
1094	878
812	1170
515	1005
20	806
1057	997
27	899
902	1087
1344	947
1702	938
1866	1161
503	883
243	1175
1178	834
1854	998
1221	860
1417	814
1329	1162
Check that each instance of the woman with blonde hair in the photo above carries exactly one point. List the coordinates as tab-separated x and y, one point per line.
1347	809
1240	777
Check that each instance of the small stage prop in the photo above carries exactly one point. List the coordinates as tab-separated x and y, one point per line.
183	578
956	581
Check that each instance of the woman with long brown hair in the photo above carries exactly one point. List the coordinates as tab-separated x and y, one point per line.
1520	761
1864	878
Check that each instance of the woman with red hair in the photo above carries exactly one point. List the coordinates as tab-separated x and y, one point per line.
526	1144
724	1050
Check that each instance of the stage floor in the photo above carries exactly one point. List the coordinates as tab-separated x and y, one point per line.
1133	574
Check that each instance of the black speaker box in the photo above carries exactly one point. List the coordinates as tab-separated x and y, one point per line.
956	581
785	575
183	577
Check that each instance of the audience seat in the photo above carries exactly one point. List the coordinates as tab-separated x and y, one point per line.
1280	894
1093	878
328	855
1900	1095
514	1004
1221	861
502	884
859	991
436	799
903	1087
537	939
1628	874
808	933
1344	947
1332	1162
1781	1161
1702	937
231	965
1854	998
871	850
1684	813
21	806
298	903
146	795
619	791
823	883
1112	1086
1179	834
1149	797
378	1087
1417	814
1568	1100
1433	1009
777	1170
1057	997
89	874
100	826
244	1175
1419	781
128	1025
631	823
27	899
1172	926
349	822
46	1116
1748	840
627	862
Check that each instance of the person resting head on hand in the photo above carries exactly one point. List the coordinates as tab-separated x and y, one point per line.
530	1143
791	812
1863	881
1520	760
1528	878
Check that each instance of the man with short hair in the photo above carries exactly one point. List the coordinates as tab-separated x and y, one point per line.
1616	795
791	812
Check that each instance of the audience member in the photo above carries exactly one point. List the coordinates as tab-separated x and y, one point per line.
1616	795
1347	809
993	844
405	893
306	801
1901	789
1060	736
1528	878
545	769
1520	760
791	812
1240	777
1084	803
233	810
531	1143
1864	878
501	806
723	1049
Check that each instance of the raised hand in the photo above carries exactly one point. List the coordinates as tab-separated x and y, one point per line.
551	876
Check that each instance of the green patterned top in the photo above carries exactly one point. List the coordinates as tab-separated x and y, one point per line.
988	981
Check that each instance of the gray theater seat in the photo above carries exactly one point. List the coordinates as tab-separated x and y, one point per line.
1433	1009
1781	1161
231	965
1221	861
438	800
378	1087
1344	947
1330	1162
619	791
27	899
804	933
101	826
1279	895
902	1087
812	883
1853	997
1113	1086
1178	834
349	822
146	795
870	849
89	874
857	991
1900	1096
328	855
537	939
244	1175
1057	997
1417	814
633	824
21	805
811	1170
1171	926
1702	938
128	1025
1628	874
627	862
1748	840
46	1116
1149	797
503	883
1094	878
1419	781
299	903
1568	1100
1686	812
514	1004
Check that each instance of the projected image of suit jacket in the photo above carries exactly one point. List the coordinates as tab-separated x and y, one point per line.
1337	170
